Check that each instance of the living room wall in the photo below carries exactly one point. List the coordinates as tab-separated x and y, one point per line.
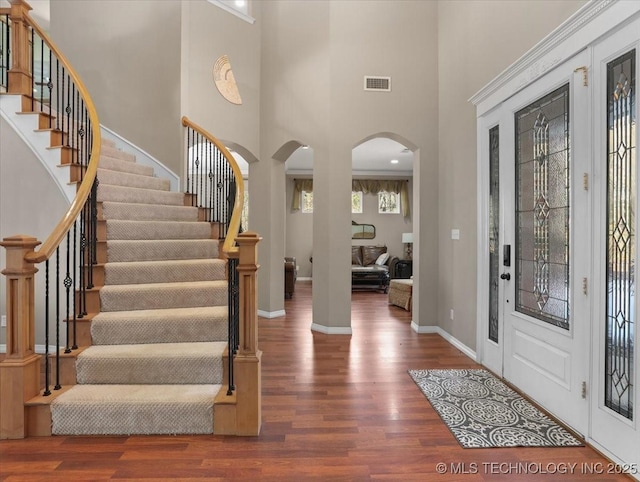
389	229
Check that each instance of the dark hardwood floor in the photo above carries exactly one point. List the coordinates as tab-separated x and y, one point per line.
334	408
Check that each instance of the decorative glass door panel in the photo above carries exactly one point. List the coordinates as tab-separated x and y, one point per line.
542	208
494	233
621	237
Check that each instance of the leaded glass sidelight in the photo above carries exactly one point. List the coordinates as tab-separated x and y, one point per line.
494	231
621	239
542	208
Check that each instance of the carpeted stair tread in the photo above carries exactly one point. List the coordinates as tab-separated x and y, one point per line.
135	195
134	409
148	212
171	271
172	325
121	229
113	151
152	363
156	360
107	143
132	180
115	164
154	296
161	249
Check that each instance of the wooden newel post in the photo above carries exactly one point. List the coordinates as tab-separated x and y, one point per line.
20	370
247	362
20	76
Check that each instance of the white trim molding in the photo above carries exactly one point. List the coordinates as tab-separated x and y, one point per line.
585	26
448	337
331	330
271	314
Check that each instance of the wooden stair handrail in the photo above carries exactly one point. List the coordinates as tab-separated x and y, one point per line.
229	247
49	246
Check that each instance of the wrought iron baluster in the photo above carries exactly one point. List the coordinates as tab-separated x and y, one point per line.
57	93
67	284
75	282
49	89
47	368
233	322
57	386
40	82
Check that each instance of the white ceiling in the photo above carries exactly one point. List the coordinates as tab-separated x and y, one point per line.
369	158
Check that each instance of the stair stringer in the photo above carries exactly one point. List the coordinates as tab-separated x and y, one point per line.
26	126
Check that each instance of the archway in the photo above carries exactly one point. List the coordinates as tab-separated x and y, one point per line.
383	188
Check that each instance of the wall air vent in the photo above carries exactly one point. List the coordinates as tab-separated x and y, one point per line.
380	84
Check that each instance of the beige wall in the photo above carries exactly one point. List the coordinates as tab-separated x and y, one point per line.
209	32
477	40
315	57
128	55
31	204
308	88
389	229
294	106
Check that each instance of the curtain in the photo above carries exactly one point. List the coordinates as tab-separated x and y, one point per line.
300	185
367	186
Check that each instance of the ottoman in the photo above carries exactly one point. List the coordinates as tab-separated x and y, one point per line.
400	291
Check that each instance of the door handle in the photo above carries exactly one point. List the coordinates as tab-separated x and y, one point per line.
505	276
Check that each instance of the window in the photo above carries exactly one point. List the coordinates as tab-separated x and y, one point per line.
388	202
244	217
239	8
307	201
356	202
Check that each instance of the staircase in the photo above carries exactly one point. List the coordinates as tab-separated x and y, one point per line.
155	363
165	321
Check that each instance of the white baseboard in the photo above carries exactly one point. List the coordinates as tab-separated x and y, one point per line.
331	330
303	278
271	314
423	329
451	339
39	349
458	344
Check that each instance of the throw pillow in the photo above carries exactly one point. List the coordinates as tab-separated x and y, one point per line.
382	259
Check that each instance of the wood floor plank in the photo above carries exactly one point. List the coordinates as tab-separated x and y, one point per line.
335	407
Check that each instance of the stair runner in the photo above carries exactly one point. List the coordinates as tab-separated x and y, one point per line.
155	364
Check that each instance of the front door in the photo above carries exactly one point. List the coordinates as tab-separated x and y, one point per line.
545	268
559	204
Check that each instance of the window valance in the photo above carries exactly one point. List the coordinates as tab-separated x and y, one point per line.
367	186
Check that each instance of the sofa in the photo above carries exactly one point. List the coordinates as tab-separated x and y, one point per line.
371	267
290	275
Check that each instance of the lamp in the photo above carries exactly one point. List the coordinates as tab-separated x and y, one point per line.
407	239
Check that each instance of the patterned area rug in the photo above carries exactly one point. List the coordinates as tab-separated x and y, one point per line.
481	411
